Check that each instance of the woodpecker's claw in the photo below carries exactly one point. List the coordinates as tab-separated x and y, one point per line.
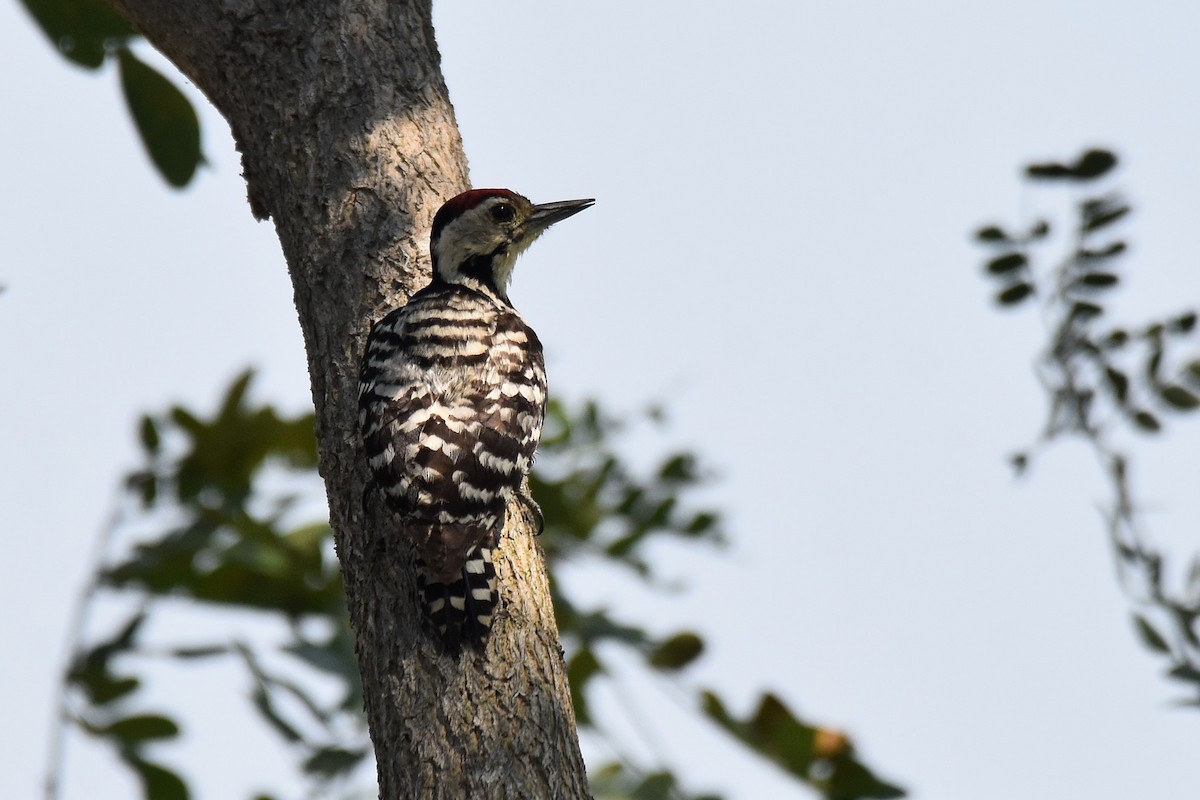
368	492
536	510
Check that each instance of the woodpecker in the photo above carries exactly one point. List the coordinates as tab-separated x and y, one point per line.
452	396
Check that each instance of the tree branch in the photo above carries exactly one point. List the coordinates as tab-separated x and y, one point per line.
349	144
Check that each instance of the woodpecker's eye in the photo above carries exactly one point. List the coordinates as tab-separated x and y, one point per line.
503	212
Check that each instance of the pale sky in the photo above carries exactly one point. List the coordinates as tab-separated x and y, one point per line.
780	252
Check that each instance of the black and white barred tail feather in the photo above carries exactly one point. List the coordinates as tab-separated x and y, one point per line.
461	612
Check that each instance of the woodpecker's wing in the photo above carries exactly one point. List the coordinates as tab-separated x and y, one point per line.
452	400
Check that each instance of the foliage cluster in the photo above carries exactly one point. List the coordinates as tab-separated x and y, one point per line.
213	523
1105	380
89	34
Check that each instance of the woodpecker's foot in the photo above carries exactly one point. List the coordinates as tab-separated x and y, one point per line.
368	491
539	521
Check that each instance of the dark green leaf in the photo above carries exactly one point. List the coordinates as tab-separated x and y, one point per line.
1019	462
1103	215
1116	339
227	450
1185	618
333	657
165	120
82	30
616	781
124	638
598	625
1087	254
1147	422
1192	372
188	653
1040	229
607	780
1048	171
657	786
1090	165
90	670
148	432
991	234
143	727
158	783
1154	361
853	780
1099	280
1185	672
1150	637
145	485
1183	323
702	522
582	667
1118	382
262	701
332	761
679	468
1084	310
677	652
186	420
269	685
103	688
1179	397
774	732
1093	164
1006	263
1014	294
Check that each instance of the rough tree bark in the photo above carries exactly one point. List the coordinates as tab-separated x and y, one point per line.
349	145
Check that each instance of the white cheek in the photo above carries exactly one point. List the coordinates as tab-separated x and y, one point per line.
449	257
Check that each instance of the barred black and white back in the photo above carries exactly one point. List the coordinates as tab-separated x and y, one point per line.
452	399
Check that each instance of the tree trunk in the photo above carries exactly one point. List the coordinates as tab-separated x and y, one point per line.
349	144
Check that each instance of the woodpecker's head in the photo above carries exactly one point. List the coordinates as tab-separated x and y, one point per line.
478	235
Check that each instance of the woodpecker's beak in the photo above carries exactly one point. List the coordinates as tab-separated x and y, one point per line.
546	214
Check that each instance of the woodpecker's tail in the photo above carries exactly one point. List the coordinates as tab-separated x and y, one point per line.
461	611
